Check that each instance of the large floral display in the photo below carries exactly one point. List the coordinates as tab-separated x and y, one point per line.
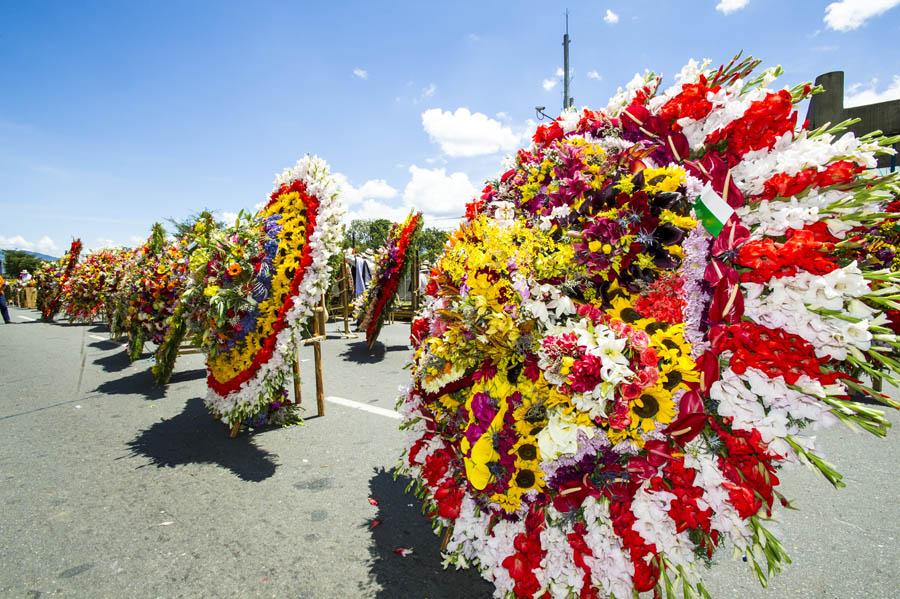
253	286
51	279
392	262
642	320
85	292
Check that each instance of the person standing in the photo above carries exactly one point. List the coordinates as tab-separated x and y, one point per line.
4	310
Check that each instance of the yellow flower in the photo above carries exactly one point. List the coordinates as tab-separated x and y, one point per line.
653	405
666	178
623	309
527	477
211	290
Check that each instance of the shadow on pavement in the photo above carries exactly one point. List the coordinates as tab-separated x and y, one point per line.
113	362
193	437
105	345
420	574
137	383
184	376
99	328
359	352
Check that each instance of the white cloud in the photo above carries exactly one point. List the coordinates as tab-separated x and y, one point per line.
465	133
847	15
135	240
228	217
611	17
360	73
560	72
727	7
594	75
371	209
860	96
429	91
437	193
44	245
373	189
549	84
502	116
16	242
102	243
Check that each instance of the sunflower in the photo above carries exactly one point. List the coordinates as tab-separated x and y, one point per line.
653	405
527	477
623	309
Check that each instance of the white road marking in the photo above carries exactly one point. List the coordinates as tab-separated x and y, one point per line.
364	407
27	317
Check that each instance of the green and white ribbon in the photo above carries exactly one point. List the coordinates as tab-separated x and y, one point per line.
712	210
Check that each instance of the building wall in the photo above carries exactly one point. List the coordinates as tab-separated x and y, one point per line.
828	107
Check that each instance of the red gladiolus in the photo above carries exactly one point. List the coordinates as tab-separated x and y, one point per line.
758	128
773	351
690	103
769	259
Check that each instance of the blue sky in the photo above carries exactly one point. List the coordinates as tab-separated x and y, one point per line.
117	114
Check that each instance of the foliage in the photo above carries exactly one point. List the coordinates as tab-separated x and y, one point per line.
16	261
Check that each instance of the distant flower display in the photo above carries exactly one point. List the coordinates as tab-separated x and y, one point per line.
391	264
85	293
51	279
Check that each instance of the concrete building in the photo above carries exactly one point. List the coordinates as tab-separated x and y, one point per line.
829	107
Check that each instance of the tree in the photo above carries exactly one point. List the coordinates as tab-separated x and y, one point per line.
431	243
367	234
16	261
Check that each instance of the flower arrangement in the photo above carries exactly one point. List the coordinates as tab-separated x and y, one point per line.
195	253
84	294
51	279
254	285
150	289
639	324
392	262
113	282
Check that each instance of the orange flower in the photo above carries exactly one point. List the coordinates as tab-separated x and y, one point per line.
234	269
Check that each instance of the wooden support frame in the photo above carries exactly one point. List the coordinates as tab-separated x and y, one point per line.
188	349
318	332
445	539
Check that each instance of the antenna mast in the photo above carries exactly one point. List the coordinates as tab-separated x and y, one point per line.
567	100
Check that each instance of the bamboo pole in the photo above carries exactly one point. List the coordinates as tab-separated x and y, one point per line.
295	366
319	330
235	429
448	532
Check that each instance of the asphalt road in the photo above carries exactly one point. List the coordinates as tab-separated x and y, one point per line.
112	487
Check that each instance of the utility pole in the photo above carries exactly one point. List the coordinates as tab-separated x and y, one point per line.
567	100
